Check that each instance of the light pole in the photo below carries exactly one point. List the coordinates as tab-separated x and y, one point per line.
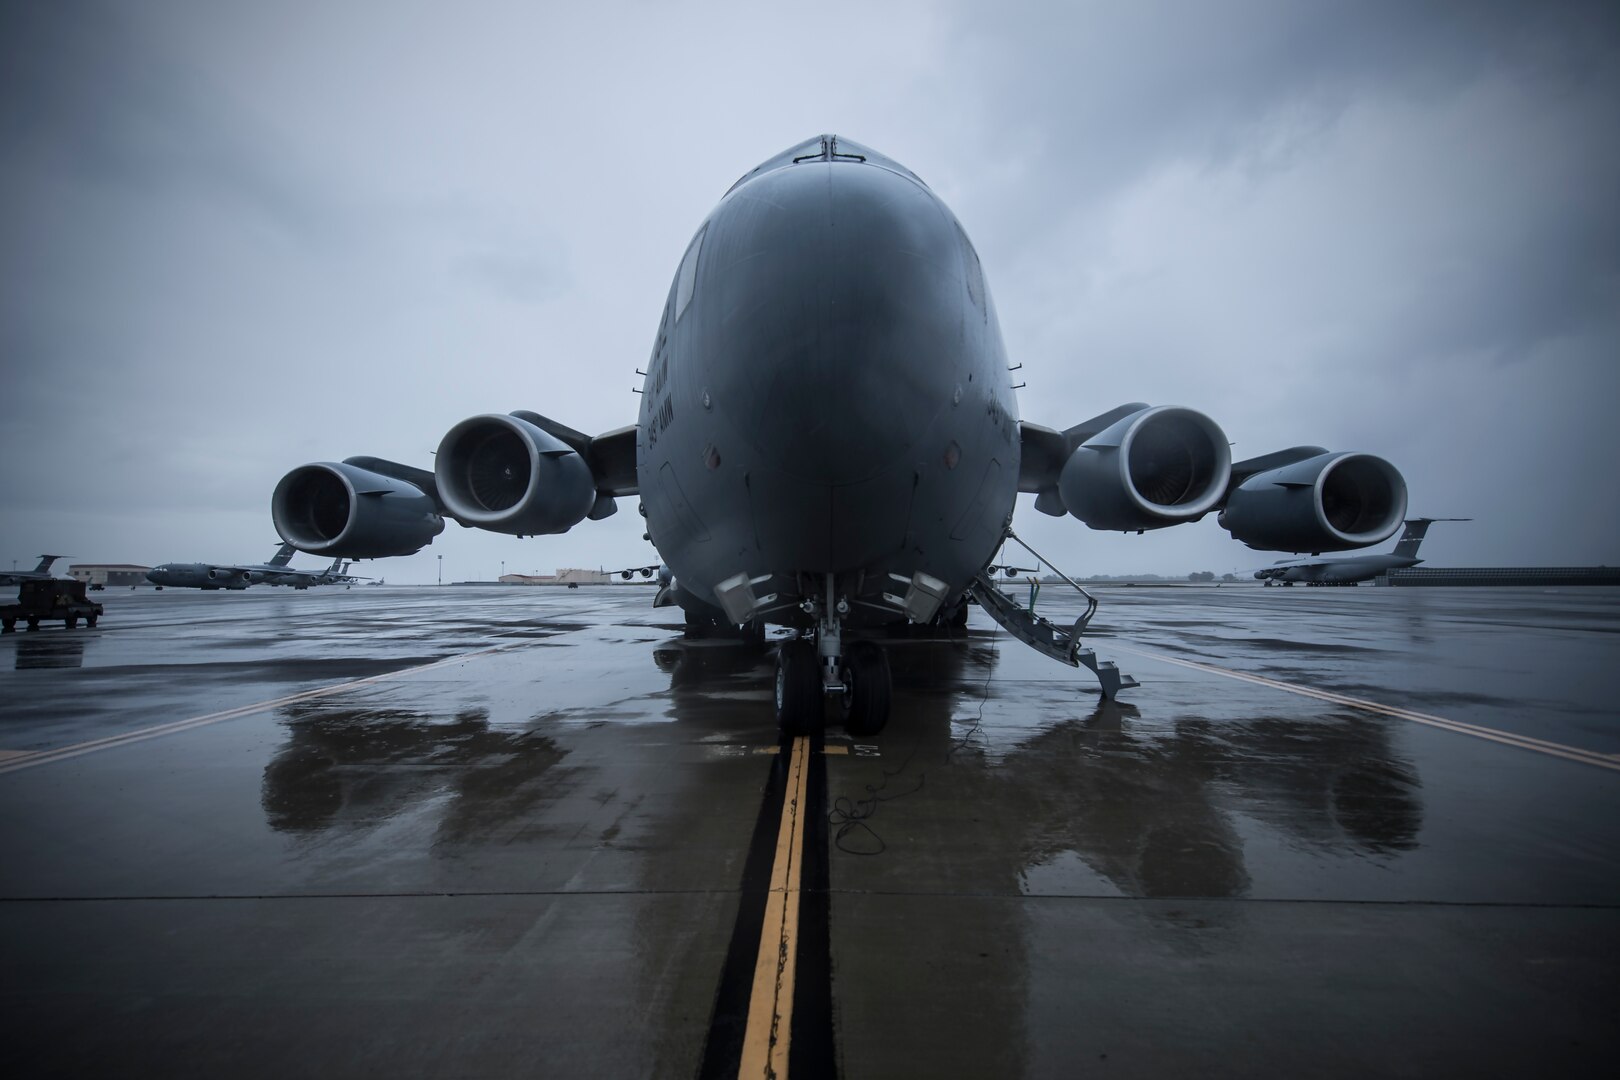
503	568
441	569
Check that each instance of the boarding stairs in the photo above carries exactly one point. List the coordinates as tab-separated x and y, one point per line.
1045	636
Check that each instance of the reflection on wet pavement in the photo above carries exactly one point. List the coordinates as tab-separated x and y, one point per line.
355	770
40	649
489	862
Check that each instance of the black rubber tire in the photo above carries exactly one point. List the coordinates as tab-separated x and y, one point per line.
8	626
699	625
33	624
90	621
867	689
798	688
72	622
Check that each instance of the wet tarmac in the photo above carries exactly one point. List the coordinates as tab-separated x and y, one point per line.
501	832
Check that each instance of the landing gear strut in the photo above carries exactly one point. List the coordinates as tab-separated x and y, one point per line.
810	669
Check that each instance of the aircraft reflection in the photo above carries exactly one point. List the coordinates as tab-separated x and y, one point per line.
1157	810
62	649
354	770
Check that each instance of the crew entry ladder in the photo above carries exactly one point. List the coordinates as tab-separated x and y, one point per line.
1042	634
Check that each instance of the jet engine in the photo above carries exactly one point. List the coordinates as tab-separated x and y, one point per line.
1157	467
332	508
506	475
1330	502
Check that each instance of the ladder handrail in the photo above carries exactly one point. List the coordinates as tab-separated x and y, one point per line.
1091	601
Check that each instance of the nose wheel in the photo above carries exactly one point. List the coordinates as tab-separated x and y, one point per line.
798	688
865	701
864	704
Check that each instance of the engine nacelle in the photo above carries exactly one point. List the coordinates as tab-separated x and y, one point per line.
1331	502
1157	467
506	475
334	508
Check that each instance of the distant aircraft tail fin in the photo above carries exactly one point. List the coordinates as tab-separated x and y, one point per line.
1416	529
283	556
45	561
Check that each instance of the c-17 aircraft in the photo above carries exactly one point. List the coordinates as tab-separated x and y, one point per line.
275	572
38	573
829	441
1348	570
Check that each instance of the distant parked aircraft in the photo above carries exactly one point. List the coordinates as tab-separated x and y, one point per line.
1348	570
275	572
38	573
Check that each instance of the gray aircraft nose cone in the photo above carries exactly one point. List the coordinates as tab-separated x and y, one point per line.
842	334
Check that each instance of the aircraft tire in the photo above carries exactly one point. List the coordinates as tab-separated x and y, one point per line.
699	625
798	688
868	689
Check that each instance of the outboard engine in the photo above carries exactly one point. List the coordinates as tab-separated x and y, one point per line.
504	474
332	508
1331	502
1157	467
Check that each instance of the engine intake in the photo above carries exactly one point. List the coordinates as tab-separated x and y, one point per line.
333	508
1157	467
1331	502
506	475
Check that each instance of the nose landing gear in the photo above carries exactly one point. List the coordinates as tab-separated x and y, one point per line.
810	669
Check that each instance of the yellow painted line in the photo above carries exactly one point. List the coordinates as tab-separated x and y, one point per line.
7	755
836	748
770	1005
1459	727
31	758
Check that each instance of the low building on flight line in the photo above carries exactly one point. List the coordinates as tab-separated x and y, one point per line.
109	574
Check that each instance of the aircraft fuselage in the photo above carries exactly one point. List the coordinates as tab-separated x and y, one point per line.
197	576
828	393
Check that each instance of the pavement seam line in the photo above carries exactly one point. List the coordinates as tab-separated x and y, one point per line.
770	1005
30	758
1458	727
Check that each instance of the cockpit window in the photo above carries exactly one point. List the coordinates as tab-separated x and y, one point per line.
686	277
825	148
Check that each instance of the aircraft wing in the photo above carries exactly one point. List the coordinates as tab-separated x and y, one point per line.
611	455
522	474
1249	467
1045	451
1138	467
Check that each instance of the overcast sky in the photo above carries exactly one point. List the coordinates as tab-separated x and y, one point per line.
236	237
